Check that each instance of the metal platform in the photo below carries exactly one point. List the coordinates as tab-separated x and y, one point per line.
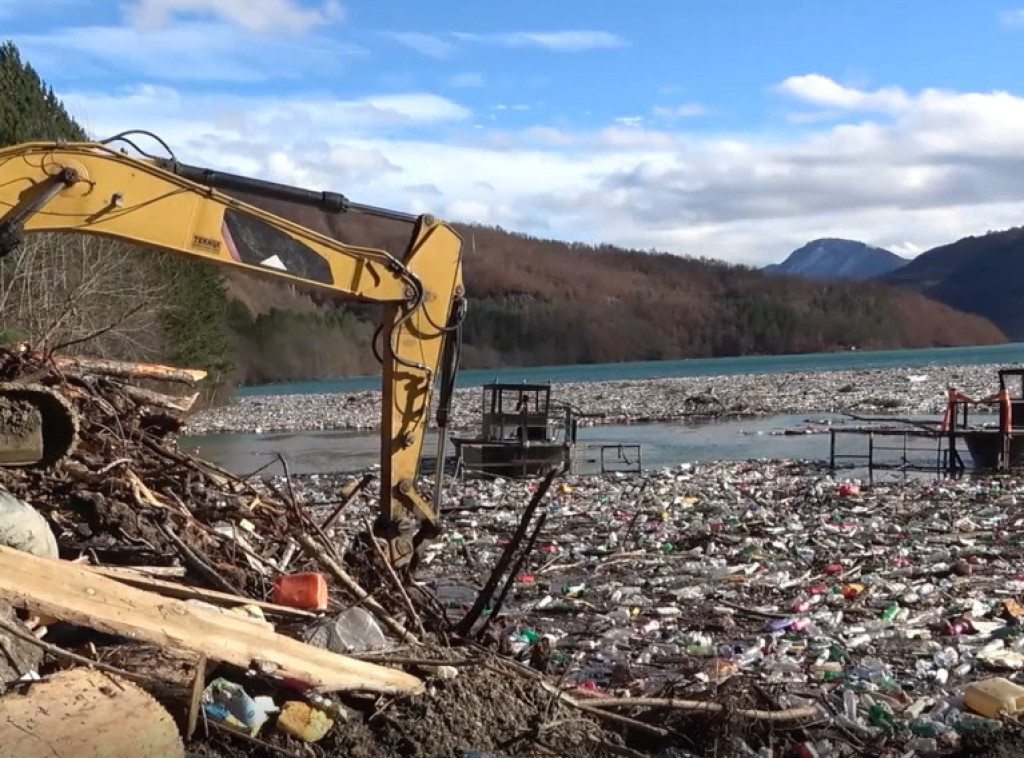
997	445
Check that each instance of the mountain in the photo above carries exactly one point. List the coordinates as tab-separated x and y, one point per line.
980	275
837	259
538	301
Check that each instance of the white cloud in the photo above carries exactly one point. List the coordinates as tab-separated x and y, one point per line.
561	41
907	172
418	107
1013	17
258	16
226	54
293	120
820	90
425	44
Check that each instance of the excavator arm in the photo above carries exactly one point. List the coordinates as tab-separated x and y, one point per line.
162	204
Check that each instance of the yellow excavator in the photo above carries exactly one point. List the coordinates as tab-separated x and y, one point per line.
163	204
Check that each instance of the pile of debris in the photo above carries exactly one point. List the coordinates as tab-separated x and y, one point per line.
154	604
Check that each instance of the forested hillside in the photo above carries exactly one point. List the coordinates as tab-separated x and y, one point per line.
536	302
979	275
532	301
90	295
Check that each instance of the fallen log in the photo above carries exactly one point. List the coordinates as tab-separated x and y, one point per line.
84	713
159	399
128	370
72	593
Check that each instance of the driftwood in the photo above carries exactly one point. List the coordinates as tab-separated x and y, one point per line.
66	655
159	399
482	599
176	678
127	370
72	593
516	568
84	713
803	713
349	497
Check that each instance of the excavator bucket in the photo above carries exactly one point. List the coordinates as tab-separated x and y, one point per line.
38	426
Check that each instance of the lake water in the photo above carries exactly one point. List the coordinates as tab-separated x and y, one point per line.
854	359
663	444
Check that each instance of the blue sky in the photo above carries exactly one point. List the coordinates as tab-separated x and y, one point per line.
737	129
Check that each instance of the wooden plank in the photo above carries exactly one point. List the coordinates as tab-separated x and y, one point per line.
184	592
195	703
78	595
85	713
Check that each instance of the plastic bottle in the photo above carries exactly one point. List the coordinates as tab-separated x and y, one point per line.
922	745
850	703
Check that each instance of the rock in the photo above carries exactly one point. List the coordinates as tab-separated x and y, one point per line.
23	528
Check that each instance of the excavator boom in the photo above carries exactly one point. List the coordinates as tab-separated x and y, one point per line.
159	203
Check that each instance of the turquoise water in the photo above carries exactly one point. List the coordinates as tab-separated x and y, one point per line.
761	364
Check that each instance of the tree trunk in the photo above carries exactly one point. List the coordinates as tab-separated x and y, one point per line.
84	713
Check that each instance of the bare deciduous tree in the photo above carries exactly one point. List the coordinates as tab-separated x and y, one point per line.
91	294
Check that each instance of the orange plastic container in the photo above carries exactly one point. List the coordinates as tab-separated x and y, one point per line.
307	591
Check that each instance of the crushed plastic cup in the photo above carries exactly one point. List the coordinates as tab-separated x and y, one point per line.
352	631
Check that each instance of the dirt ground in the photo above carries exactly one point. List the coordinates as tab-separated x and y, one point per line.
479	710
1005	744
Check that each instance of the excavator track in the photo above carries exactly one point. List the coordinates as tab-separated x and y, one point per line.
38	426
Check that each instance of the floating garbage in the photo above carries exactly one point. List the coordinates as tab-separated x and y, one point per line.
731	609
890	391
228	703
304	721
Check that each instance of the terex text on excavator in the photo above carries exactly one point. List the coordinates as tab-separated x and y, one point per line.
160	203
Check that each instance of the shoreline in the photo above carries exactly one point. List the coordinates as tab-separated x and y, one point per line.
885	391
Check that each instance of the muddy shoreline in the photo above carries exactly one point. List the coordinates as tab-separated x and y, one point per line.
915	391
